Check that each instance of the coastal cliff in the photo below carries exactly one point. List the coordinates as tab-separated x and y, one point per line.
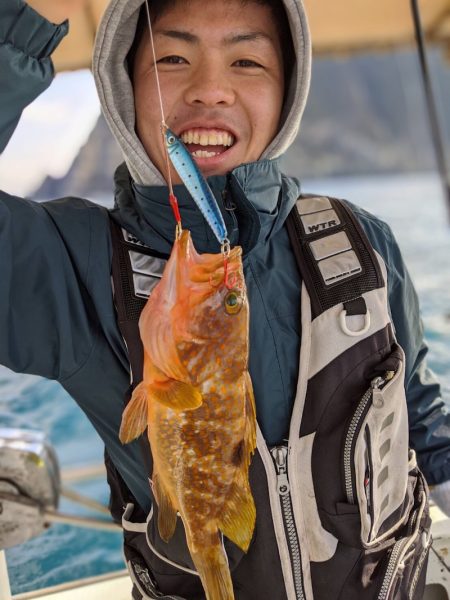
365	115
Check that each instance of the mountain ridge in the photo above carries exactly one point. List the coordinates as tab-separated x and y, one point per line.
365	115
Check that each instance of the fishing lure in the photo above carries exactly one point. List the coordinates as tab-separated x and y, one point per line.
193	179
177	154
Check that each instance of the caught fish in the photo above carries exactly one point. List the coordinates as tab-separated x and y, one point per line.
196	399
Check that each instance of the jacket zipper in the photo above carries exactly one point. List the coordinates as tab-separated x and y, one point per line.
368	480
396	560
279	454
228	203
393	565
419	566
376	384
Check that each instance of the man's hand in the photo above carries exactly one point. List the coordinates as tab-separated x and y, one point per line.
57	11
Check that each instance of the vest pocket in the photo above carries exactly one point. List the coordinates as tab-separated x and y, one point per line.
395	569
376	456
404	575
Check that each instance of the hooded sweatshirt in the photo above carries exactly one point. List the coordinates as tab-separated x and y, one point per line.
55	258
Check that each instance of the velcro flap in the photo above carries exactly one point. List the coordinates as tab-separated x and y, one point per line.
149	265
339	267
330	245
306	206
318	221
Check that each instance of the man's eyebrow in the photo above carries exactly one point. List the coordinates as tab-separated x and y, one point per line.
234	38
180	35
251	36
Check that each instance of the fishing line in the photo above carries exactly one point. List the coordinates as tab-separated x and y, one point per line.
172	197
202	194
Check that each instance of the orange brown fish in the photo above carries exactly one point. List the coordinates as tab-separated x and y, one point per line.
197	400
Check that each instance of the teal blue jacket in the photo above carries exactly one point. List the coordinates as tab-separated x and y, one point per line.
57	317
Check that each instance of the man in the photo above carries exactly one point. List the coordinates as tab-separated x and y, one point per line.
234	78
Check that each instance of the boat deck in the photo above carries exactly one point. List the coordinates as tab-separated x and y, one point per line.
113	585
118	585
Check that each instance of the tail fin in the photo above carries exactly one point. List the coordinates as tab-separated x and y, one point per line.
212	566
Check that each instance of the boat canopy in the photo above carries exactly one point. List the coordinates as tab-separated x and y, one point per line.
343	27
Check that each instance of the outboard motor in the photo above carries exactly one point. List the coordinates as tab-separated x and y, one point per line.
29	485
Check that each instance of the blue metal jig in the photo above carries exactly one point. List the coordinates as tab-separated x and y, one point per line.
196	184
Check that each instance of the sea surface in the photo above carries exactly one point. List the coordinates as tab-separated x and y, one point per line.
415	209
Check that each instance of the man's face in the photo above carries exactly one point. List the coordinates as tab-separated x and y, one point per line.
221	74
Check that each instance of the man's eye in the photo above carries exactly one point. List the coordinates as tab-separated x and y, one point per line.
246	63
172	60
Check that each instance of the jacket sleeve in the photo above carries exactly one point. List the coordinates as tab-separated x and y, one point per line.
45	323
26	70
429	414
48	323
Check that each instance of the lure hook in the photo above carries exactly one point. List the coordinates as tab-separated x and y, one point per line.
230	279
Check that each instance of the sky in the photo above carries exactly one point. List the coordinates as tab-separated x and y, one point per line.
50	133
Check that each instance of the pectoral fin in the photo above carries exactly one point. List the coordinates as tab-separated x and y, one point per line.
167	515
176	394
134	418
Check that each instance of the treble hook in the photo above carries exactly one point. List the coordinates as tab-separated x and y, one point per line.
231	280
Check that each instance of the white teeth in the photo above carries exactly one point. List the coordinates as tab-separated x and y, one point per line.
206	138
204	154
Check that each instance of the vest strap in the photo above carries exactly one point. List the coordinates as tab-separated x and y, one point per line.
136	269
334	256
132	285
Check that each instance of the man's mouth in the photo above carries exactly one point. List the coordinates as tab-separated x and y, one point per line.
207	143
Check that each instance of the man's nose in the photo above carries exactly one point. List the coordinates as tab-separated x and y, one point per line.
209	86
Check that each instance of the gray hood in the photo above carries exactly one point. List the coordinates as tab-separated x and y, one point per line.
114	39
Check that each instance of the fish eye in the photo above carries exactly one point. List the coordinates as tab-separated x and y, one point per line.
233	302
171	139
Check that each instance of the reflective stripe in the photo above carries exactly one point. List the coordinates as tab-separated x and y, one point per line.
144	284
307	206
339	267
330	245
144	263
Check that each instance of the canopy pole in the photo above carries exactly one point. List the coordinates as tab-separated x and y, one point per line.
436	131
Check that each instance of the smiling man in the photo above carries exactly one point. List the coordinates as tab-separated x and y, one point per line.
221	75
341	503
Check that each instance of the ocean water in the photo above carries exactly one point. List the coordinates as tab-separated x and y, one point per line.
412	205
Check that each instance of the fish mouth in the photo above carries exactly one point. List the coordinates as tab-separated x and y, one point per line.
207	142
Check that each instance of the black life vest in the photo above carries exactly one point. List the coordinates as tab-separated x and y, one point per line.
342	509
